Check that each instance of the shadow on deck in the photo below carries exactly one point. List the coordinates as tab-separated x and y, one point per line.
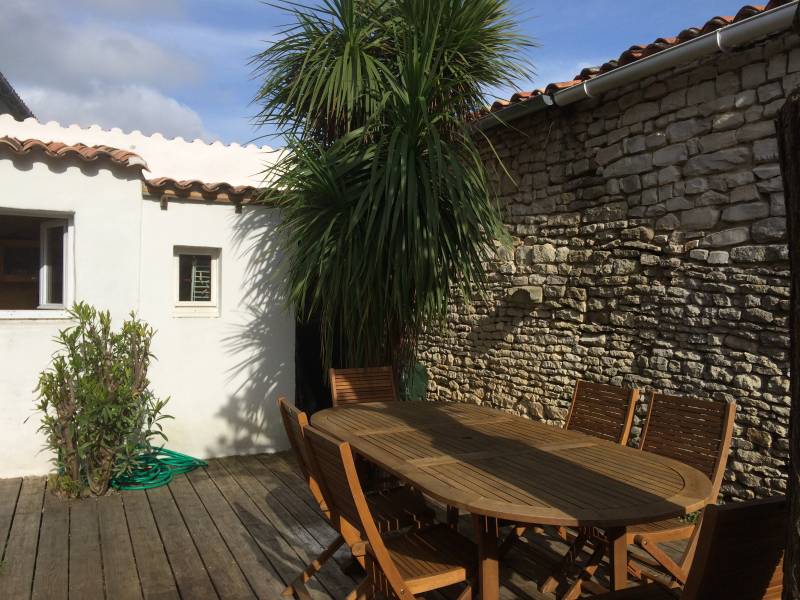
241	528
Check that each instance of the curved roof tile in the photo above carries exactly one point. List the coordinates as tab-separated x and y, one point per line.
637	52
82	152
198	190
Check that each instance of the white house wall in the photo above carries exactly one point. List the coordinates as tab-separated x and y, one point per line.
223	373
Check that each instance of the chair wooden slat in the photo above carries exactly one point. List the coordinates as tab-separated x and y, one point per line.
693	431
399	566
604	411
739	555
353	386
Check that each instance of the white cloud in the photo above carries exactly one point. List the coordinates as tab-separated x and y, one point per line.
77	68
41	47
128	107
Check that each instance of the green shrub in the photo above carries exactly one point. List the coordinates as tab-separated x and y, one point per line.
98	411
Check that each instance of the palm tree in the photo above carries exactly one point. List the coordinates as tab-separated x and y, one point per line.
386	211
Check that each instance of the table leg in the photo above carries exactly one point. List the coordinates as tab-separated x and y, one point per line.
618	558
486	537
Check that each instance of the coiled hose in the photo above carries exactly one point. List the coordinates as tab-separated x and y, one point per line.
157	468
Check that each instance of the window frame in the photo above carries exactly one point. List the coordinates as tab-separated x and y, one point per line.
50	311
44	268
198	308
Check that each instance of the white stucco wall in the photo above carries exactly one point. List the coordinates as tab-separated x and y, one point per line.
223	373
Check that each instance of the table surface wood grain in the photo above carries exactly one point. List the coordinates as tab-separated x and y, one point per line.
495	464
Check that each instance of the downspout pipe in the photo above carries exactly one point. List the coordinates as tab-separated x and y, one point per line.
723	39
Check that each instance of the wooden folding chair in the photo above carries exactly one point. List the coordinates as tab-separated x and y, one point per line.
739	555
354	386
394	510
597	409
695	432
398	566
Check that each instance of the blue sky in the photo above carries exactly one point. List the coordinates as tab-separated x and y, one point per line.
180	66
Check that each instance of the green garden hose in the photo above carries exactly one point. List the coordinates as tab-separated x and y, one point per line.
156	468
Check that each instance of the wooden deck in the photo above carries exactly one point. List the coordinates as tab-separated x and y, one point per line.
240	528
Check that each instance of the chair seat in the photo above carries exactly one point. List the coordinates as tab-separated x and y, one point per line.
399	508
642	592
432	558
661	531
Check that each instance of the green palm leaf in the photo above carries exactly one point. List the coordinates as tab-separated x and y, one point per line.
387	212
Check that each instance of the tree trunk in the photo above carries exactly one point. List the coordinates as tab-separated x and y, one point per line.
788	128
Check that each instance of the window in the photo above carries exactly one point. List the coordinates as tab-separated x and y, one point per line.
33	262
197	272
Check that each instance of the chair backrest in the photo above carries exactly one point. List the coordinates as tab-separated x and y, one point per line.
740	552
294	422
693	431
353	386
345	497
604	411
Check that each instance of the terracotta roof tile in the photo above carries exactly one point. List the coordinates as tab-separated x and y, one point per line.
637	52
198	190
82	152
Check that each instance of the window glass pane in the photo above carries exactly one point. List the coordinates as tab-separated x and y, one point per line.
55	265
194	272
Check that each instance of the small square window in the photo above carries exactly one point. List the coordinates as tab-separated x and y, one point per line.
197	274
194	271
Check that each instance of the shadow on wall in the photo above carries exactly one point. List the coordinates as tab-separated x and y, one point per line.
262	367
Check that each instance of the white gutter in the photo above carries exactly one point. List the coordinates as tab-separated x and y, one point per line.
724	39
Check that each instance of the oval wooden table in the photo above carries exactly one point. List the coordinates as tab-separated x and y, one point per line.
501	466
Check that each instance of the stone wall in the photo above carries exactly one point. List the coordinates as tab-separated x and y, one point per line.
649	250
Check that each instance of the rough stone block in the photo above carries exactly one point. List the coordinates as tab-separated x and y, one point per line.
717	141
722	160
640	112
608	154
696	185
630	165
634	145
727	237
728	120
525	295
700	219
668	223
754	74
698	254
670	155
745	193
755	131
669	174
718	257
748	211
769	92
753	254
765	150
777	205
771	229
680	131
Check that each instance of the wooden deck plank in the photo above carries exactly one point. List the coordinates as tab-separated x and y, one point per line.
51	581
289	528
190	572
226	575
229	514
155	573
122	580
85	558
260	574
19	560
280	554
312	520
9	492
